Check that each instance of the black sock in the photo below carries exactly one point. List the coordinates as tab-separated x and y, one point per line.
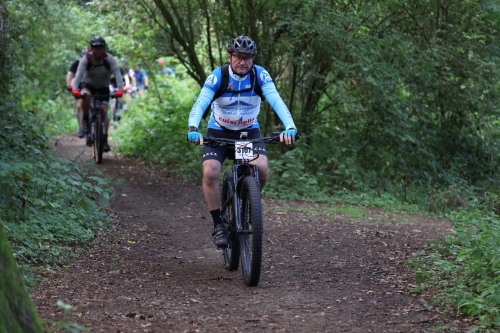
216	217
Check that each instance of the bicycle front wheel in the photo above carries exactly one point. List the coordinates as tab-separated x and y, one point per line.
98	137
251	233
232	251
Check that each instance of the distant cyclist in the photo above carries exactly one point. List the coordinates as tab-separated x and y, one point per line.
236	110
139	78
124	72
70	76
162	69
119	103
93	77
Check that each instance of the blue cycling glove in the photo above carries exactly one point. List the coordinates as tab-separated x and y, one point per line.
194	135
290	132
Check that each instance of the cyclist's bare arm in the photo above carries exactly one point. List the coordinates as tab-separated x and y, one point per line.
127	80
69	77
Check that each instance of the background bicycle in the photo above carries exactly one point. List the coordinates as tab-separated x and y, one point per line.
117	105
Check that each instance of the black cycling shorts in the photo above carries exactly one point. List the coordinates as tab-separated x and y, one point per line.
220	153
96	91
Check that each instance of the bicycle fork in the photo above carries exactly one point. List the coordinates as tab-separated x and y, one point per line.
240	175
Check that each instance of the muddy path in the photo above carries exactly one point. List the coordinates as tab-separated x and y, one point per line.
158	271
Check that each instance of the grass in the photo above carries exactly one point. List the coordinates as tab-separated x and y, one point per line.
349	211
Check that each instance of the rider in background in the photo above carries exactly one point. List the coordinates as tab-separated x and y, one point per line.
139	79
162	69
163	72
124	72
70	76
231	114
126	87
93	77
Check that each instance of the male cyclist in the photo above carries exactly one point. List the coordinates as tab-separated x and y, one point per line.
140	78
78	101
235	111
164	70
93	77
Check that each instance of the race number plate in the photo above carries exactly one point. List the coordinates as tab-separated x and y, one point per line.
243	150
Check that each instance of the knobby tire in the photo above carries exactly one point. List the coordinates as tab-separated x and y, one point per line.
98	137
232	252
251	233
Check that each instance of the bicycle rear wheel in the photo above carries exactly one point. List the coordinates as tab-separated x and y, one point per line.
251	233
98	137
232	251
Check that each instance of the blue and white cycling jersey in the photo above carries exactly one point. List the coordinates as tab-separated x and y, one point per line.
238	111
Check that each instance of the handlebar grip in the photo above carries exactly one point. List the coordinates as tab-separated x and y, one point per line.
276	135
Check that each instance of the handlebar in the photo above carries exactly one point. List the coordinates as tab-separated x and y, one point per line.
214	142
97	96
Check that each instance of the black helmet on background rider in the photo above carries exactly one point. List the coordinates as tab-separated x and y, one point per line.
97	41
123	61
84	51
242	44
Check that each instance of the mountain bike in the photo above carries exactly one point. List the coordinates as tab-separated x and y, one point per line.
241	208
95	126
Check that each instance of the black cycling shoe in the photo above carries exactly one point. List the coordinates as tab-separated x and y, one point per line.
105	146
89	141
85	123
81	133
219	236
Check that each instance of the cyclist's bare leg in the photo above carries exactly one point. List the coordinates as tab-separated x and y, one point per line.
85	102
79	112
261	161
211	174
78	108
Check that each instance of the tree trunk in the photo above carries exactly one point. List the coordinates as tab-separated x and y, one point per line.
3	40
17	313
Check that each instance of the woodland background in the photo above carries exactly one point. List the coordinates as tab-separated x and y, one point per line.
396	103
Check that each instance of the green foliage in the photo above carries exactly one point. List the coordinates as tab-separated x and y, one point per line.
289	179
396	102
49	204
56	117
465	266
155	130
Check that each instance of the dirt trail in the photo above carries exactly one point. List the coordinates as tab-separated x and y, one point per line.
158	271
